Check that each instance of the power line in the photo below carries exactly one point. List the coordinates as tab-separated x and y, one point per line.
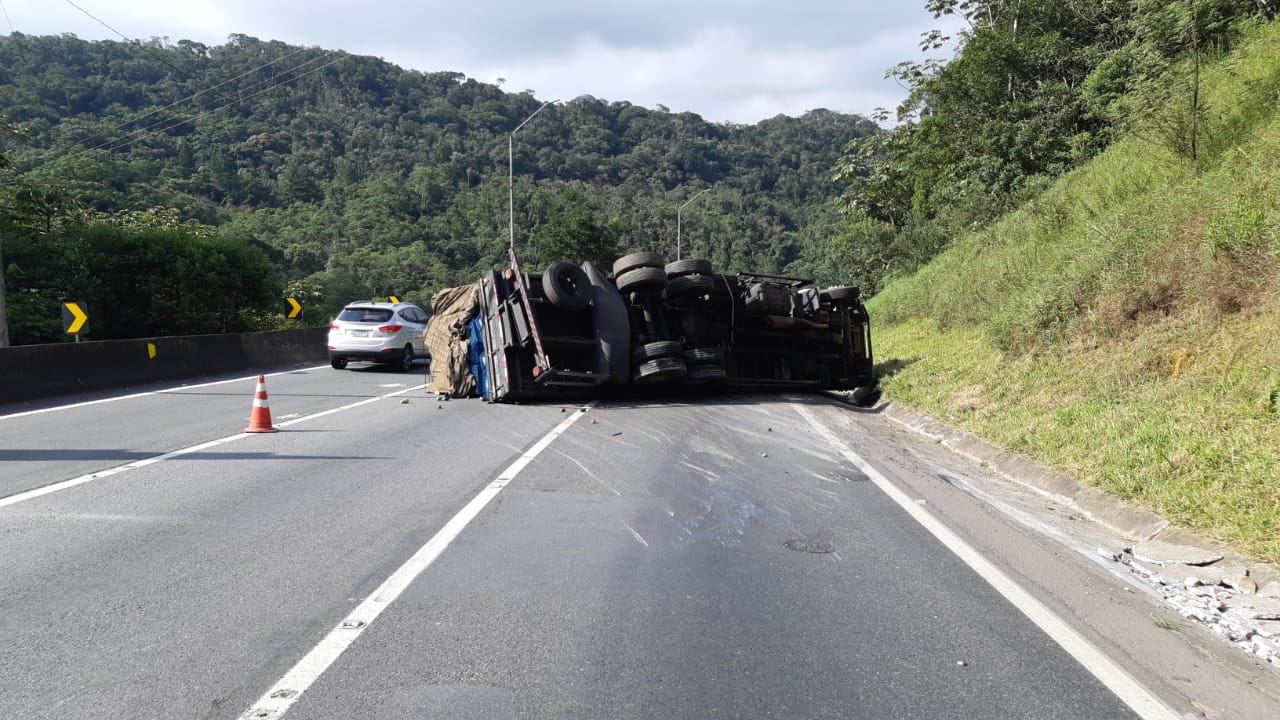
145	131
6	16
141	131
127	39
191	117
86	12
194	95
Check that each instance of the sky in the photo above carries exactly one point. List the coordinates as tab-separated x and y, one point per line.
737	61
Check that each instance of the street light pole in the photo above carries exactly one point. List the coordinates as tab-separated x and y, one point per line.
678	218
511	173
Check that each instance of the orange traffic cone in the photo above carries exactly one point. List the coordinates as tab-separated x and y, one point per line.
260	416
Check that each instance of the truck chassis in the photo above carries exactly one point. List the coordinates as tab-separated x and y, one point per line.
665	328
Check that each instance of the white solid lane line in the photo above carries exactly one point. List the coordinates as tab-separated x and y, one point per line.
73	482
277	700
1107	671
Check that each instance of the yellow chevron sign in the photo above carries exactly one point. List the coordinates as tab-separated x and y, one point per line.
294	309
393	298
75	316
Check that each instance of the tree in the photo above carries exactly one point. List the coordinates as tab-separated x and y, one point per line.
1036	88
6	131
153	278
575	234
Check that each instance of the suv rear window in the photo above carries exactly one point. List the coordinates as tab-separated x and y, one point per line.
369	315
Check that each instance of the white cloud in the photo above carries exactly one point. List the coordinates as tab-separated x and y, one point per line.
722	59
719	74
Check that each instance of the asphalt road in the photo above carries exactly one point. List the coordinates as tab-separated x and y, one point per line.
712	559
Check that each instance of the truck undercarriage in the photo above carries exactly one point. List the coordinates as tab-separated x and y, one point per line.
665	328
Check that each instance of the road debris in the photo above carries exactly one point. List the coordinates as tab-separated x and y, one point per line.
1224	598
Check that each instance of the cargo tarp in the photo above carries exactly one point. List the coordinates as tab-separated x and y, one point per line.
447	339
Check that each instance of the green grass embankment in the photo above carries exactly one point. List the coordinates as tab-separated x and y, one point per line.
1124	327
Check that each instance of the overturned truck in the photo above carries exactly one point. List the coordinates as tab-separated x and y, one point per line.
655	327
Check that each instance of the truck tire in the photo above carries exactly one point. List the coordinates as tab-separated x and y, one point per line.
840	292
689	285
638	260
566	286
704	356
866	396
655	350
706	374
642	278
660	369
691	266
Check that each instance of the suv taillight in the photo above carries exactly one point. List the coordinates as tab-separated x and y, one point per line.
390	329
334	326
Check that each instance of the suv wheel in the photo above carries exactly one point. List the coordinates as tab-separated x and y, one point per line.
406	359
338	363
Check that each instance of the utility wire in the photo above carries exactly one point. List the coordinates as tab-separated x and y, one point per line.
112	145
194	95
179	122
272	83
86	12
126	38
208	111
6	16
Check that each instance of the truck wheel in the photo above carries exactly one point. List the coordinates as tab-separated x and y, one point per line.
643	278
706	374
638	260
840	292
655	350
566	286
660	369
866	395
691	266
704	356
689	285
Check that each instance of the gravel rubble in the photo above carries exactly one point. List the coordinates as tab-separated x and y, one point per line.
1224	598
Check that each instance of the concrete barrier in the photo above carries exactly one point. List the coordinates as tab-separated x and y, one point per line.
33	372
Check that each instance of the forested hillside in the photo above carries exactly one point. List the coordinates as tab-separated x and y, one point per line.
359	178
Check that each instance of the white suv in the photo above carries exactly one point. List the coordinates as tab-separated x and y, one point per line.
378	331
